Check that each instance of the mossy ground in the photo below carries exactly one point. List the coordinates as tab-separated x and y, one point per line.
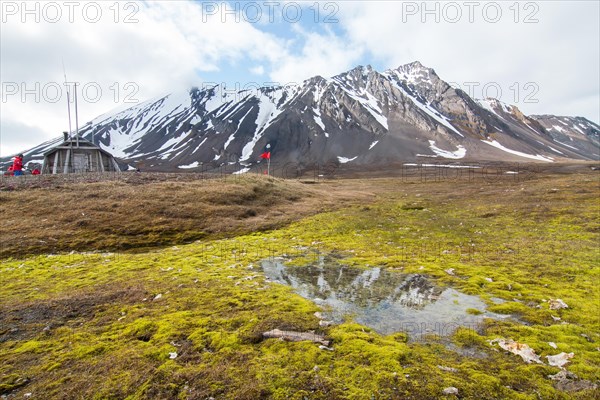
104	326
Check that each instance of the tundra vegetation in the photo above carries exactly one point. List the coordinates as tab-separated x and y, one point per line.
116	290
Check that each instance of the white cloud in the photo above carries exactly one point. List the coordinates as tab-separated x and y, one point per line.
258	70
174	44
559	53
166	50
321	54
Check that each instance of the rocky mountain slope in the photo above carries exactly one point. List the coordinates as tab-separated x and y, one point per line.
361	116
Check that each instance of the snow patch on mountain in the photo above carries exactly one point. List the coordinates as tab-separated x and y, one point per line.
344	160
195	164
267	112
369	103
318	119
427	108
457	154
517	153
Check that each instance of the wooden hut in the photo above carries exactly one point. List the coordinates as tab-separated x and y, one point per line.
78	155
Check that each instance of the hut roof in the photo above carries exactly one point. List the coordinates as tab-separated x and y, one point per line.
72	143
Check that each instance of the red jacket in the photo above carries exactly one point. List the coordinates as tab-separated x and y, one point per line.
18	164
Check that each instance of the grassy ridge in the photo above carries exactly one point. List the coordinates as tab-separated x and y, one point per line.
142	210
106	325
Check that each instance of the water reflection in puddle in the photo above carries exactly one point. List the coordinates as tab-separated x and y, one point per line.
385	301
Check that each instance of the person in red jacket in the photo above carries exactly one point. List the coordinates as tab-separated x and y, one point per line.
35	172
18	165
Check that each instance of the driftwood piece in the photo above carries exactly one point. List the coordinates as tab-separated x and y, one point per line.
293	336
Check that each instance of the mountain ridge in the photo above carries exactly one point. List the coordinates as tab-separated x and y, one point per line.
361	116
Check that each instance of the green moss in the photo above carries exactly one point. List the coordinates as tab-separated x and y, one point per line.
32	346
465	337
111	335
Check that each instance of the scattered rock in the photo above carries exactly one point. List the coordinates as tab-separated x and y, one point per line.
447	369
520	349
560	359
569	382
157	297
173	355
555	318
293	336
450	271
586	337
489	280
450	390
552	344
557	304
325	348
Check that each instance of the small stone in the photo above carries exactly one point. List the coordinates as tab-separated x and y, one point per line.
157	297
589	339
559	360
557	304
316	368
325	348
555	318
489	280
173	355
569	382
447	369
553	345
450	271
450	390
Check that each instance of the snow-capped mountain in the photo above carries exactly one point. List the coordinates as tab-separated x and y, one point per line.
361	116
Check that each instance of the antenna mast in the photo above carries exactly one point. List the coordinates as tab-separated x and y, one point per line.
76	117
68	98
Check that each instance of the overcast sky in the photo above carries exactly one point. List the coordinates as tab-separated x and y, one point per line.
542	56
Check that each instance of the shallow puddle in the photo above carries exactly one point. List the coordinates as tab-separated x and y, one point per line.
386	301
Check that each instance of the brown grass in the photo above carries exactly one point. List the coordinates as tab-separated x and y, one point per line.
135	211
120	215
